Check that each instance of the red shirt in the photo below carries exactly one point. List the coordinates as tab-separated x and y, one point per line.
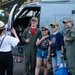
33	31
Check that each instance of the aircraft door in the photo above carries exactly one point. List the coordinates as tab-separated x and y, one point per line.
12	14
11	19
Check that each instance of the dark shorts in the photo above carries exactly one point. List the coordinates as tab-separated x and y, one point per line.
42	54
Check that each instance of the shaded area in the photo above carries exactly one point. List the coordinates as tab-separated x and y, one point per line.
18	69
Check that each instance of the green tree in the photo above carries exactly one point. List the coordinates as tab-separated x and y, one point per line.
4	18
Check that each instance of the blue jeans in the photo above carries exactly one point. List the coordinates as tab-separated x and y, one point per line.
56	60
42	54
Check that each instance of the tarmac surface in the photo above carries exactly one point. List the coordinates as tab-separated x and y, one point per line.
18	69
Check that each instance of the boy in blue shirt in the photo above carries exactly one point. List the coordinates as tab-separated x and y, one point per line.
57	46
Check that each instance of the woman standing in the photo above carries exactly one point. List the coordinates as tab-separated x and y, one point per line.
6	42
43	50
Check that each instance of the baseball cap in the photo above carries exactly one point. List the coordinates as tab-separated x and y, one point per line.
67	20
54	24
35	19
2	25
46	27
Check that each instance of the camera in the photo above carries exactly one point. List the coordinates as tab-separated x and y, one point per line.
9	29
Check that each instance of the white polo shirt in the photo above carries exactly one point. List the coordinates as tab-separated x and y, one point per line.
7	43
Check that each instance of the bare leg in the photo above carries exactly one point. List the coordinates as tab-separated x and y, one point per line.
38	65
45	68
18	59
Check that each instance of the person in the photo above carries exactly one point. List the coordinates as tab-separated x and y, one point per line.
69	38
29	38
43	50
17	59
6	42
56	47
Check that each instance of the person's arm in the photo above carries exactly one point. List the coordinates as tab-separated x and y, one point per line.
39	41
62	53
62	48
23	37
14	33
48	51
13	40
72	37
62	45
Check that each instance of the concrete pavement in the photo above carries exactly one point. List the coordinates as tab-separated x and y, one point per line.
18	69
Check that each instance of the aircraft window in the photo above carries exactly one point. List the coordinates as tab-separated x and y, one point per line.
23	14
30	13
35	12
38	14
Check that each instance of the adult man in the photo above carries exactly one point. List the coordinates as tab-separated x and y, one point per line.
29	36
69	39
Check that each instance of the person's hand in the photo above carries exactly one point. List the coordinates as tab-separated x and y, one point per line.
65	38
68	39
43	38
62	55
27	40
13	31
50	42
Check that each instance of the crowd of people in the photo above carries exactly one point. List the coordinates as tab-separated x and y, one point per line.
40	45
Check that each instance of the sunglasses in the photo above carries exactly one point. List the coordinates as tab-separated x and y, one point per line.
52	26
44	29
64	22
33	20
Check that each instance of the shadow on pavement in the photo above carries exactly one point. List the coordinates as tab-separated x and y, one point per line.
18	69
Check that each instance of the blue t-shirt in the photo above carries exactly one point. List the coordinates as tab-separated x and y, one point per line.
57	41
44	44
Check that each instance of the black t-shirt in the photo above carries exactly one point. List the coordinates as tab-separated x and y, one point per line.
44	44
57	41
